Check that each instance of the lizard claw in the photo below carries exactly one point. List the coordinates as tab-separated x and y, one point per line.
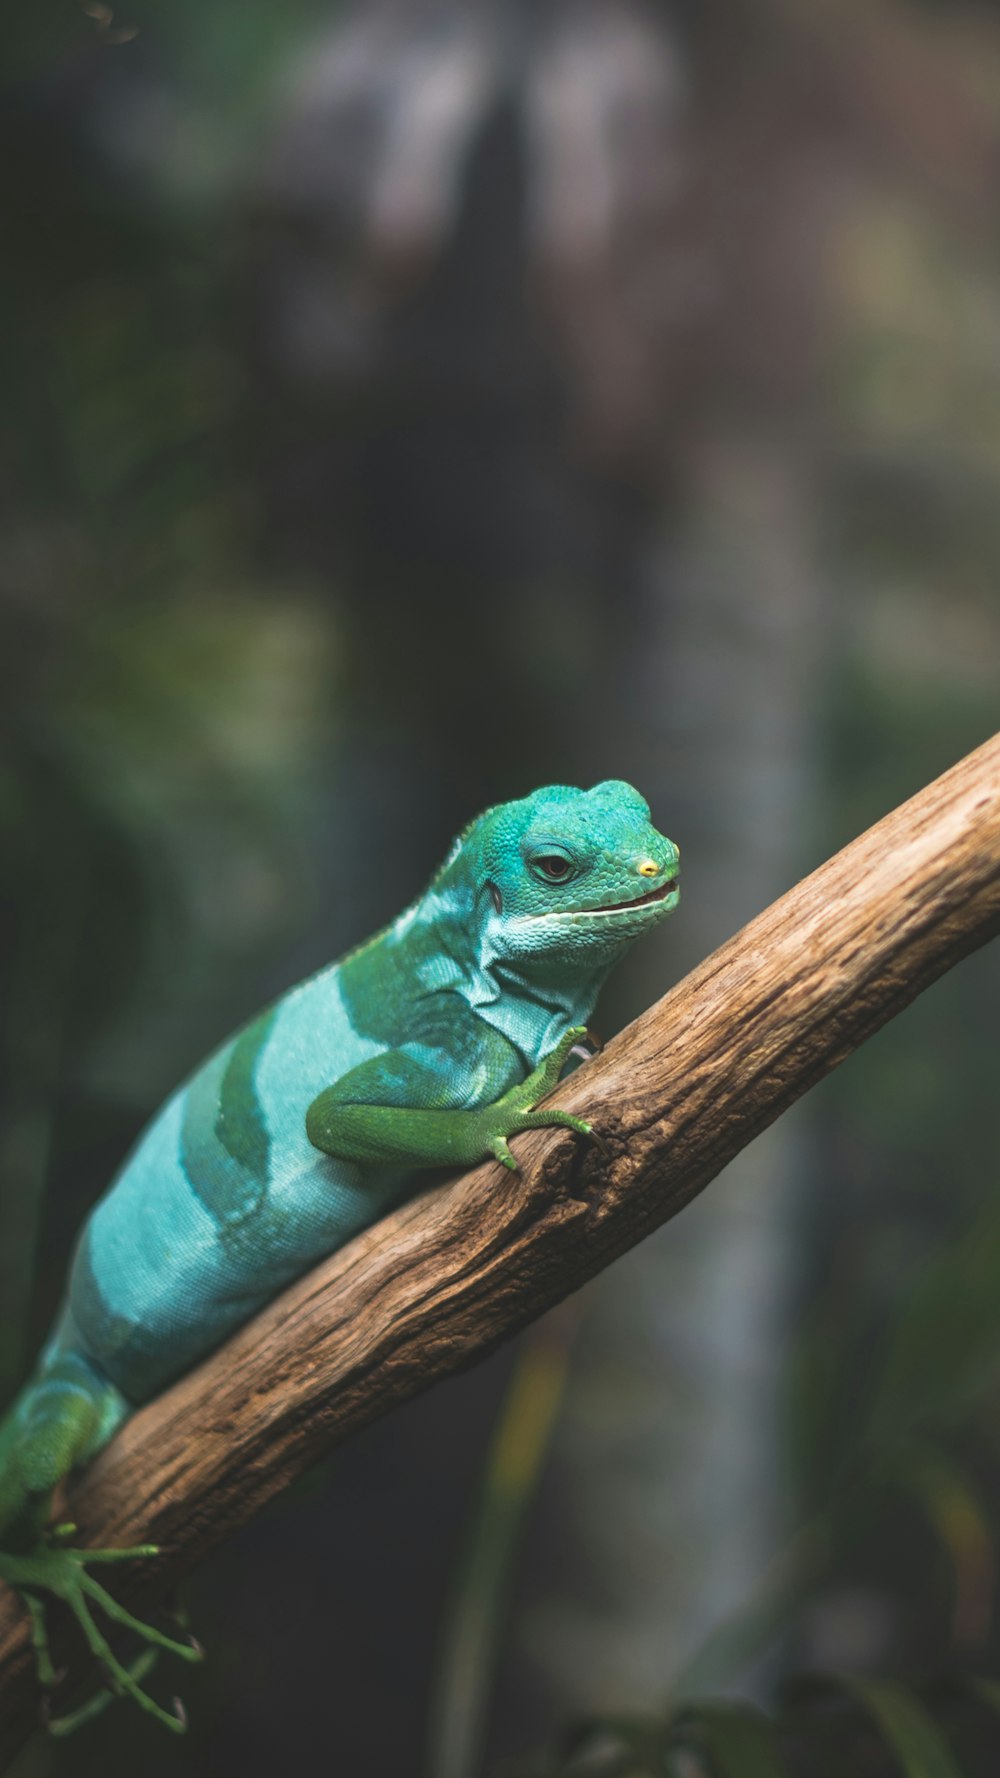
597	1139
586	1047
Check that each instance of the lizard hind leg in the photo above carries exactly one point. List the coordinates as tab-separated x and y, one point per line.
60	1422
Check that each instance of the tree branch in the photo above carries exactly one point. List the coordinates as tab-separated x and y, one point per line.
444	1279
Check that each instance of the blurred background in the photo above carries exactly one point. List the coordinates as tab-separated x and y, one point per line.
403	406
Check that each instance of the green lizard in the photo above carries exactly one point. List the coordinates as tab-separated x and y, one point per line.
428	1046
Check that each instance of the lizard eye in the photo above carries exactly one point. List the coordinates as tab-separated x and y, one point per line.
552	865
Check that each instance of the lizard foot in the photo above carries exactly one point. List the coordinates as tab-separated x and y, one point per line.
55	1568
515	1111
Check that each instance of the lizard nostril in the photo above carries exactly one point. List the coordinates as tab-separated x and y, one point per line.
649	868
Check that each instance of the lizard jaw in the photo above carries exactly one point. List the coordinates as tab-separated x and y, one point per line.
665	892
645	907
622	907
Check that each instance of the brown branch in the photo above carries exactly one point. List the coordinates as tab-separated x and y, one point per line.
441	1281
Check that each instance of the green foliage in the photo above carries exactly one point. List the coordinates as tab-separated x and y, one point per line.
906	1728
825	1727
732	1740
514	1464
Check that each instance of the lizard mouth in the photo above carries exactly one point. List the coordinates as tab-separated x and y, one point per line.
626	907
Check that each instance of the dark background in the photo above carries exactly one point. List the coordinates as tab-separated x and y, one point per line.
403	406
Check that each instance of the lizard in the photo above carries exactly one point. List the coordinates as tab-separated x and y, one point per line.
429	1045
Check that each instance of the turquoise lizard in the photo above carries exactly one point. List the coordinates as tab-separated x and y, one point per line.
430	1045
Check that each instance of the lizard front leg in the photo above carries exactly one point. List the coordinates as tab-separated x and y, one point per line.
395	1109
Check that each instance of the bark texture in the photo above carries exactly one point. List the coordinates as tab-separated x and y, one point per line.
443	1280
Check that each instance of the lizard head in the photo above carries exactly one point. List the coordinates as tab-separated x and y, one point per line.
569	876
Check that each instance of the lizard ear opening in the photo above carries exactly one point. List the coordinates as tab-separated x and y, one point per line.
495	897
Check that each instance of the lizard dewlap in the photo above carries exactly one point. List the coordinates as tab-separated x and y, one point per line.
428	1046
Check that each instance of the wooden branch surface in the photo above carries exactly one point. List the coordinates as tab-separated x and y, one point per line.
443	1280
